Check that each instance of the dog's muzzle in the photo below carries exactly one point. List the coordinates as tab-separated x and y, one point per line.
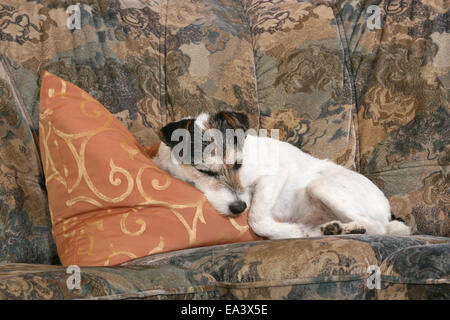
238	207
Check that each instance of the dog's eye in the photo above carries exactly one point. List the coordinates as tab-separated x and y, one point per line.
208	172
237	166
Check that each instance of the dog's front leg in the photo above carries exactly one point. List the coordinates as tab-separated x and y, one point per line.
261	218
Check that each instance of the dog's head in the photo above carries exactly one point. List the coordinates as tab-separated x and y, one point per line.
207	152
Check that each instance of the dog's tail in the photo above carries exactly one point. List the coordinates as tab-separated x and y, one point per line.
397	227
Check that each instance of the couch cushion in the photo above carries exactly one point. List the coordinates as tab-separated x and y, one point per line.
25	227
318	268
145	63
282	62
417	272
110	55
44	282
401	75
109	202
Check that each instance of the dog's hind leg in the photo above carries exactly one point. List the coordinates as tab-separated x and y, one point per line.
270	228
349	217
263	222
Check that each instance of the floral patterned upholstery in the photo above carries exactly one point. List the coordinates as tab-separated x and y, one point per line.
374	100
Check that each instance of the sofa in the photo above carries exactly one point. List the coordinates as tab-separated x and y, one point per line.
364	83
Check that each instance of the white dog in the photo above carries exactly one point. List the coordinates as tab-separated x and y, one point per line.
299	196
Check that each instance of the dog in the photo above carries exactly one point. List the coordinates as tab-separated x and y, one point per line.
302	196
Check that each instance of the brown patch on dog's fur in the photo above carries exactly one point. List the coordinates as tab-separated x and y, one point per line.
229	120
226	177
188	124
230	178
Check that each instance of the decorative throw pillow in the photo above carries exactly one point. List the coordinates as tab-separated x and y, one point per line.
109	202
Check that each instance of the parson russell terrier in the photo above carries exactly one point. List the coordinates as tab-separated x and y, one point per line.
289	193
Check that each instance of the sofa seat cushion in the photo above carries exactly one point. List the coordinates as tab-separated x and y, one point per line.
316	268
28	281
417	272
335	267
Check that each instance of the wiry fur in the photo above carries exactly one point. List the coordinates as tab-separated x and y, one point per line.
303	196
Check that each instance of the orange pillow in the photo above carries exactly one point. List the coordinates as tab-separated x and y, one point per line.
108	202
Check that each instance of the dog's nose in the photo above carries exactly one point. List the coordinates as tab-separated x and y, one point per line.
238	207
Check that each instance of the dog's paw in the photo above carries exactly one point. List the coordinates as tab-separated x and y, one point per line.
354	228
331	228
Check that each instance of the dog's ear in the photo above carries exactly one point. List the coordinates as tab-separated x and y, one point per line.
231	120
165	134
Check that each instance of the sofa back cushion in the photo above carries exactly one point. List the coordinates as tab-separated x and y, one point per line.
282	62
401	71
